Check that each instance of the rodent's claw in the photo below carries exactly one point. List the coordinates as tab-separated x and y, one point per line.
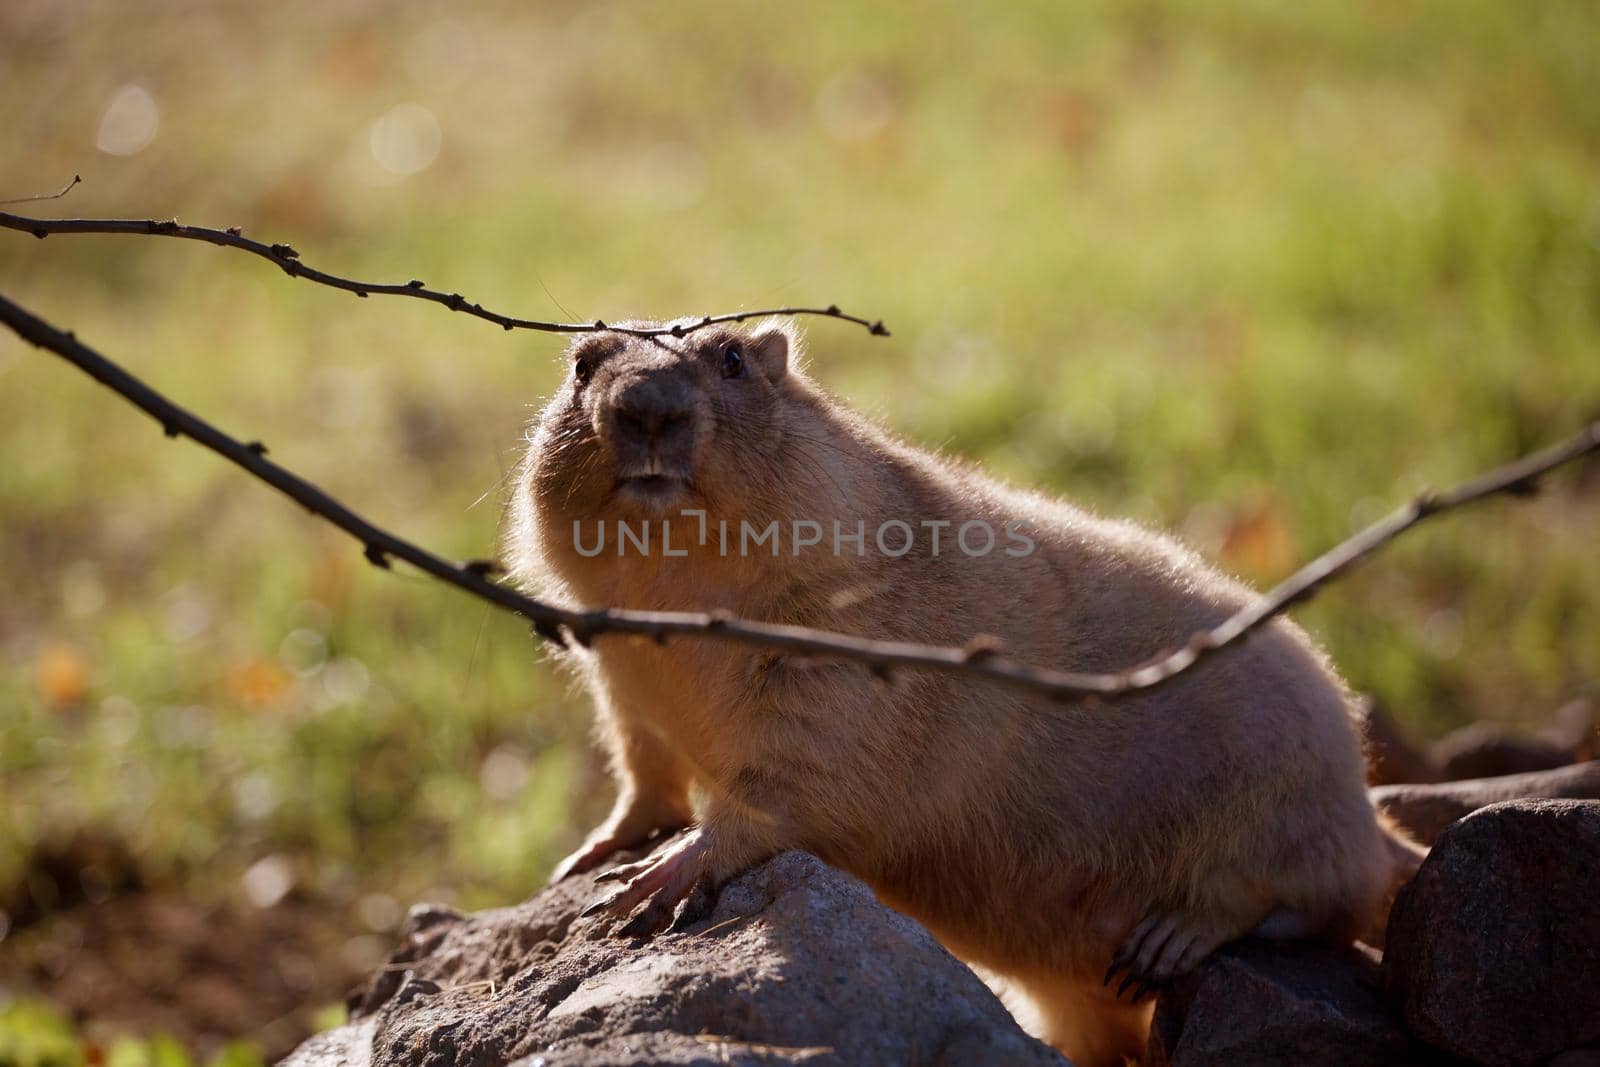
659	882
597	906
1117	964
670	916
645	923
697	905
1159	949
590	855
624	871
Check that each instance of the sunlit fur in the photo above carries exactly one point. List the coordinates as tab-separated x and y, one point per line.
1029	835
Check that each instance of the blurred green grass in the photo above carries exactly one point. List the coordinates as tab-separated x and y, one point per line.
1252	272
32	1034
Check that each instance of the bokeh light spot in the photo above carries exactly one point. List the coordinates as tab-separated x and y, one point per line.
405	140
129	122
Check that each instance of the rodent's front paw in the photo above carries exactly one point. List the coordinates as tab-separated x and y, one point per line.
616	834
674	886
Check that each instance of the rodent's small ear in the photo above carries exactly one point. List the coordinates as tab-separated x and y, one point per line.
775	342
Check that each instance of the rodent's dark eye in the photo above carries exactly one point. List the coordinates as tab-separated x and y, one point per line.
732	362
583	370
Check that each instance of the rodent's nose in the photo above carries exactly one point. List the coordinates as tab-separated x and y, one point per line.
651	410
645	421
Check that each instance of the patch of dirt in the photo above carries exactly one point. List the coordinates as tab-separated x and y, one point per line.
129	959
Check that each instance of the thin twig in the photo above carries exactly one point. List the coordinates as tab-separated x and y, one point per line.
978	660
65	189
288	260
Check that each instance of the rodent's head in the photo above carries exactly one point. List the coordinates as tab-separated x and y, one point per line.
655	423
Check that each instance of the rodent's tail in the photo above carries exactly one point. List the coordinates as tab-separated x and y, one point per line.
1405	859
1406	853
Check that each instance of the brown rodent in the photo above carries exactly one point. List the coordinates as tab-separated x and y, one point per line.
1037	839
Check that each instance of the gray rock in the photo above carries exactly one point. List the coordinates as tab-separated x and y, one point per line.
1425	810
1482	750
1494	946
798	963
1268	1004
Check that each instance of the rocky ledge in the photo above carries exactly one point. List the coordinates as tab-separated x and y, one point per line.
798	963
1493	958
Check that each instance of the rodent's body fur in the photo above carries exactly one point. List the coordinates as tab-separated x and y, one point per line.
1031	836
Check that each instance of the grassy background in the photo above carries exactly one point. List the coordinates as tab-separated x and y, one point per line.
1249	271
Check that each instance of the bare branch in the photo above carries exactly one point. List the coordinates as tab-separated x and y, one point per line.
1517	478
979	659
65	189
288	260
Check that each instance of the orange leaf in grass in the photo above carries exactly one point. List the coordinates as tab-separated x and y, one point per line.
62	673
1259	541
259	682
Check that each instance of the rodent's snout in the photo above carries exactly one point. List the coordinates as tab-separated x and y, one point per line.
649	410
650	422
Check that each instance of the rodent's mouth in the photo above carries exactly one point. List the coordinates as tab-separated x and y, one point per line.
653	490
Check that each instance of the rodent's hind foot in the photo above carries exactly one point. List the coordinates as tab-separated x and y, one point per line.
1160	948
674	886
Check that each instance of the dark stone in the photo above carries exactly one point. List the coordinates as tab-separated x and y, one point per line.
1494	946
1425	810
1268	1004
1484	751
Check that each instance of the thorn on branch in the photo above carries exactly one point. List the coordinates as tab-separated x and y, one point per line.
169	427
878	329
235	231
599	324
415	284
483	567
833	309
285	252
552	633
982	647
164	226
718	618
361	293
41	234
376	557
257	447
457	302
65	189
1426	503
